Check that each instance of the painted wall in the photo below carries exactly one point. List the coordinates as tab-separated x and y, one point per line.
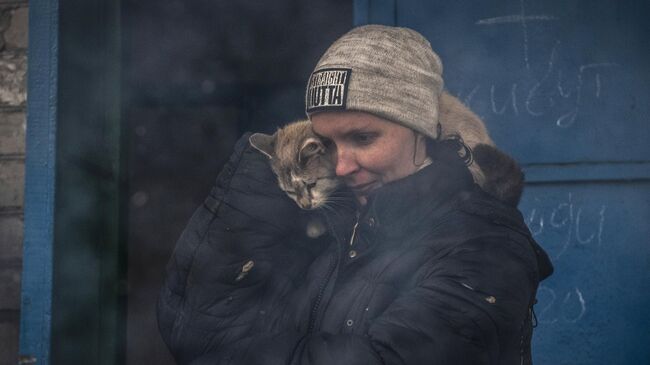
562	86
13	67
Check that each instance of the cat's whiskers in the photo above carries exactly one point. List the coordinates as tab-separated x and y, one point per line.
333	211
332	206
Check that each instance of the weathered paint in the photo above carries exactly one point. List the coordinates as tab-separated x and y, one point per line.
376	12
73	290
36	302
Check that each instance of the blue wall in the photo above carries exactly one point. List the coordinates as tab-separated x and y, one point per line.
36	303
563	87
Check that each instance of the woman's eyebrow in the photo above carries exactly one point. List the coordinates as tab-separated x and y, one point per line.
349	132
355	131
346	133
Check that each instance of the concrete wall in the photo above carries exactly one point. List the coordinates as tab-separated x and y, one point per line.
13	67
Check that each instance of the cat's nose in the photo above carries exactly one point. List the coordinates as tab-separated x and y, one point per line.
304	203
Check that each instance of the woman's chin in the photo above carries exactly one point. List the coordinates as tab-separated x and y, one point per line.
362	194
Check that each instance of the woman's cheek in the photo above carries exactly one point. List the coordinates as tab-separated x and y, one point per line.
372	159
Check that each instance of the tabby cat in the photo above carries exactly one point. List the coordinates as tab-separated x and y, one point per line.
299	160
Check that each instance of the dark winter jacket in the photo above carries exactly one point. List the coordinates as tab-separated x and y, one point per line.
432	271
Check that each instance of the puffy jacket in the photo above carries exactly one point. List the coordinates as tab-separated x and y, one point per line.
431	271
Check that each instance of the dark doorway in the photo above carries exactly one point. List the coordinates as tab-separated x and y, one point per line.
195	76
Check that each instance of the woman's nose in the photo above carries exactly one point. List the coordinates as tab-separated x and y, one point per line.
345	163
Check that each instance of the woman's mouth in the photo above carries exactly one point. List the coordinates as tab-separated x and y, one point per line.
360	189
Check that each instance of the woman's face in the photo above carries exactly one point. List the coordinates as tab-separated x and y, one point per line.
369	151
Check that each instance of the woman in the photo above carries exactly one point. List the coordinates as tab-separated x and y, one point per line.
422	268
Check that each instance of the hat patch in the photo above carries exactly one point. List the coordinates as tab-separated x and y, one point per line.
328	89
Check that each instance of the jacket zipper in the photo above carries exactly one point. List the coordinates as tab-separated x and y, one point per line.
354	228
319	298
354	232
323	286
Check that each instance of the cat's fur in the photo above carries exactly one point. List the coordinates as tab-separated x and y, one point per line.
307	175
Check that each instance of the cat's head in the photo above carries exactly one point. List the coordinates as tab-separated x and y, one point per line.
301	162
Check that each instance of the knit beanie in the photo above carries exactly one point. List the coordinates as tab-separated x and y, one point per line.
390	72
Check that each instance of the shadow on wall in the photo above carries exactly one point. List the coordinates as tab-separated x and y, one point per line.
195	77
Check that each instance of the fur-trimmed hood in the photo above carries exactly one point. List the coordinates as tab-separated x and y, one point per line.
493	170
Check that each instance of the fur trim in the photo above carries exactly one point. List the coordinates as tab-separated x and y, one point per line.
458	120
503	177
493	170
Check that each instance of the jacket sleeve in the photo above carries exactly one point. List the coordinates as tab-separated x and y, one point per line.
461	311
240	252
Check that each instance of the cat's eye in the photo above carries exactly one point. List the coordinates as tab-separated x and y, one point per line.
311	147
308	151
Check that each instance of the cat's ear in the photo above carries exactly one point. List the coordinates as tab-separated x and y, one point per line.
263	143
311	147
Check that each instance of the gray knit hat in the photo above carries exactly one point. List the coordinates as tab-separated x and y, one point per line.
390	72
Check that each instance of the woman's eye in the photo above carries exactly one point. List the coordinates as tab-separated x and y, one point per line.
327	142
329	146
364	139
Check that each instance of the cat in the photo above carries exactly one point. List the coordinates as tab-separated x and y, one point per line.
306	173
304	170
298	158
